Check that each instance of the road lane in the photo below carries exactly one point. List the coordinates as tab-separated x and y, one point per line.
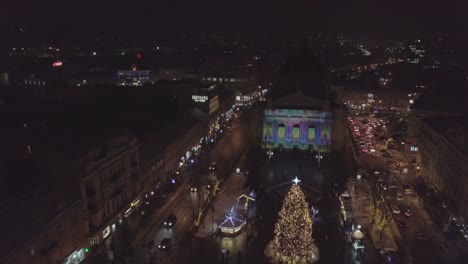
181	207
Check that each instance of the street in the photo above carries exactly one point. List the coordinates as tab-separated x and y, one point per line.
410	226
185	206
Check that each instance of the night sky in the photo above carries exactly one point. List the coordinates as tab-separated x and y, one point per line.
347	16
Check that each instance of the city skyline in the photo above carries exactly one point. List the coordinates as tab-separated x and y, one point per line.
171	131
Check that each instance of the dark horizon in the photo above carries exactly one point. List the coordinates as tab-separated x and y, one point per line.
167	17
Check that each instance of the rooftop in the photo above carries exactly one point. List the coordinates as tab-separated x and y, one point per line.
41	197
155	141
454	129
443	99
298	100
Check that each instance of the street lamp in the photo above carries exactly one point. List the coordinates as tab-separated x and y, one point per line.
268	143
319	157
270	153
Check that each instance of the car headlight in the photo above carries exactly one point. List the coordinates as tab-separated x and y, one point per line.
165	223
159	246
164	246
170	224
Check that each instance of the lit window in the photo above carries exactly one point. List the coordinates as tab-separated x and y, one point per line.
296	131
281	131
311	133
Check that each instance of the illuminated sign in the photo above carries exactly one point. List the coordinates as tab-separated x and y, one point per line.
57	64
199	98
128	212
106	232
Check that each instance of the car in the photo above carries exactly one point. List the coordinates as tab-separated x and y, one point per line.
408	213
193	189
165	243
212	166
170	221
407	189
399	196
421	236
383	186
402	224
395	209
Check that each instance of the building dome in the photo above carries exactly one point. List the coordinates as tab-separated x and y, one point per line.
303	71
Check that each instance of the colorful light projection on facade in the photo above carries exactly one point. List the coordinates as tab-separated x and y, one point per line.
297	129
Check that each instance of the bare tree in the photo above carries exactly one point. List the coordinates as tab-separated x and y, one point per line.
378	215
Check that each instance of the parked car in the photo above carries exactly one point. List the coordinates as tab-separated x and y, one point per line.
395	209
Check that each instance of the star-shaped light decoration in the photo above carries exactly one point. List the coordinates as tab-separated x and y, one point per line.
296	180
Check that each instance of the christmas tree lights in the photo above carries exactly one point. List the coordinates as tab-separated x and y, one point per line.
293	241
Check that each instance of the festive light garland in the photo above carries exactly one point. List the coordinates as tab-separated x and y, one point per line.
293	241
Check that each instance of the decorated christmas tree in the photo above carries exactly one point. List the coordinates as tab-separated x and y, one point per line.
293	241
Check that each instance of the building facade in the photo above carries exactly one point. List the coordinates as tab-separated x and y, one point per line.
297	122
133	77
109	185
62	240
443	159
377	100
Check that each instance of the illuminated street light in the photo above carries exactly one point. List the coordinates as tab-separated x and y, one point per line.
319	157
270	153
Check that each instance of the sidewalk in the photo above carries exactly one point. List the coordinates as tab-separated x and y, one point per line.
232	188
360	204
